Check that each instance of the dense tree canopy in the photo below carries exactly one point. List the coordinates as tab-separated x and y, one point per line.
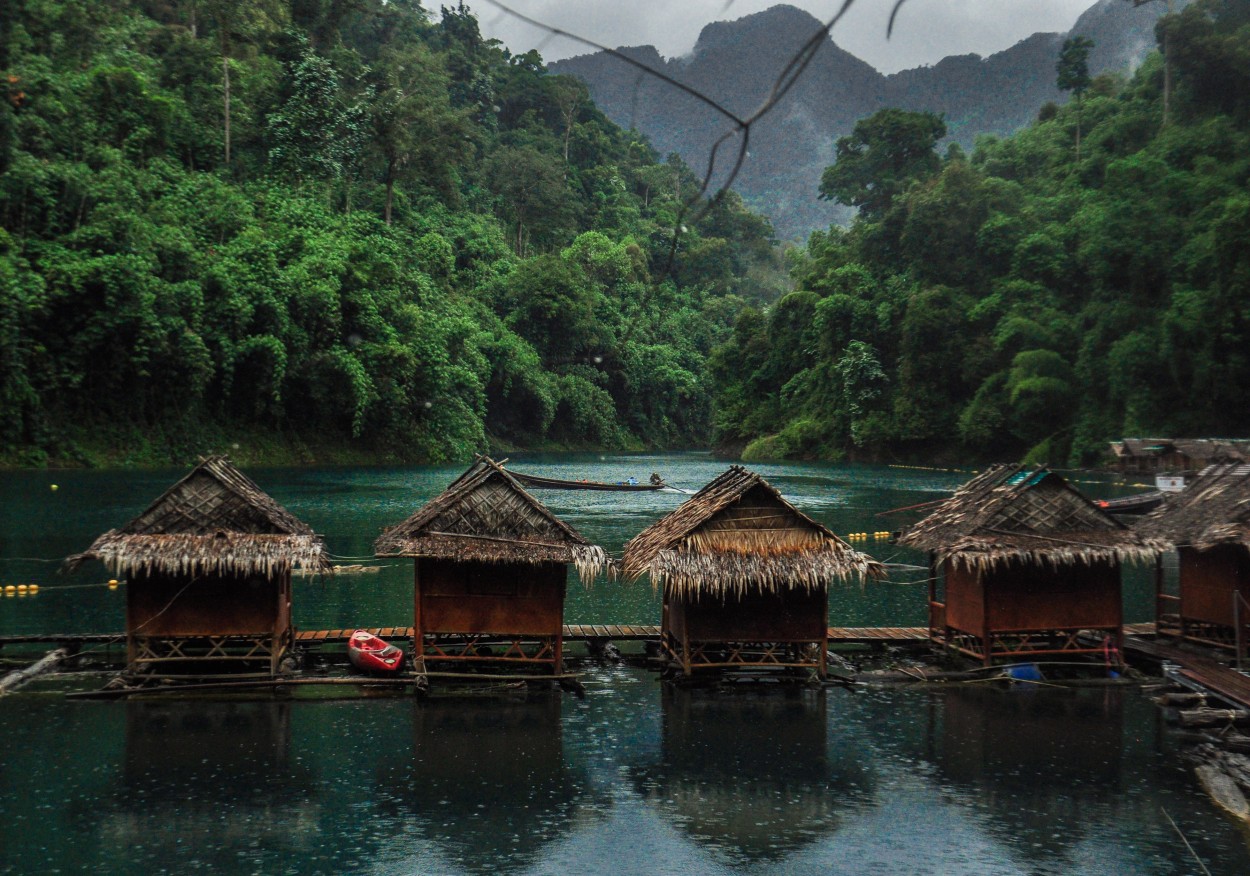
339	225
1031	298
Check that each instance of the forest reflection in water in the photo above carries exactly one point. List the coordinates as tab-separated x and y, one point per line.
635	778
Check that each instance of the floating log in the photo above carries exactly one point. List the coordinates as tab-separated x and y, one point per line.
1223	790
1182	699
1207	717
18	677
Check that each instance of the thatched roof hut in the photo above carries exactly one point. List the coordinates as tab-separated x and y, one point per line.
1209	525
1027	565
490	573
1213	510
1021	514
738	534
214	521
486	516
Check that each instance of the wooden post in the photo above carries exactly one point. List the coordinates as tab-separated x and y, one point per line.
1158	591
933	595
986	638
418	636
824	639
1119	616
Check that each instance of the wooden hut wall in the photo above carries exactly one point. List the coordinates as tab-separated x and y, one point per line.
965	599
1208	580
784	616
210	605
1027	597
457	596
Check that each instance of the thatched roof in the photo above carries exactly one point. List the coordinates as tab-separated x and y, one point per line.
487	516
1195	450
1213	509
1012	513
213	521
738	534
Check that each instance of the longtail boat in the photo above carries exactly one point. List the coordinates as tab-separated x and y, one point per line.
557	484
1140	503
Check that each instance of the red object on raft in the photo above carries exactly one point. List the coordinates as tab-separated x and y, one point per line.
368	653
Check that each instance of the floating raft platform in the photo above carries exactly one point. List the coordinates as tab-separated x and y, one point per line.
639	632
572	632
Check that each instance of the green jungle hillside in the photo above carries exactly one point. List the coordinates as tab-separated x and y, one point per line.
336	230
329	230
1083	280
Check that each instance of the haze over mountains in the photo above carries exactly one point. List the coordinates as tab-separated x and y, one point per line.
736	63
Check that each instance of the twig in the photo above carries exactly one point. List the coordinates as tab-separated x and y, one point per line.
1185	841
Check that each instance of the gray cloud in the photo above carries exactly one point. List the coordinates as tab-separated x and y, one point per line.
925	32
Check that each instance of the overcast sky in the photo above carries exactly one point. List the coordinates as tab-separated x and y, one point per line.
924	32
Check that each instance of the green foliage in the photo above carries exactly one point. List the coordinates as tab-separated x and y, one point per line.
881	157
1032	299
342	224
1073	65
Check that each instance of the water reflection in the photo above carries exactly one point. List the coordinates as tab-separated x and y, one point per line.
1033	760
486	784
208	779
752	775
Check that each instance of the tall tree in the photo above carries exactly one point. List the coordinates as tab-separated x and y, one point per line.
237	21
1073	70
415	130
881	157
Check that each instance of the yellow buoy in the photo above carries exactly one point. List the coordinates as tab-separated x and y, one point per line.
112	584
54	488
10	590
34	588
21	588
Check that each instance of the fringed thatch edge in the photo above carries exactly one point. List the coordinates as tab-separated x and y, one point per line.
987	558
729	573
220	554
1221	535
589	560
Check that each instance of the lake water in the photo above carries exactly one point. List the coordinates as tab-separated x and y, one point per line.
635	778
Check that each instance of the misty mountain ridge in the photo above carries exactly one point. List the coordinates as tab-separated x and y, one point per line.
736	63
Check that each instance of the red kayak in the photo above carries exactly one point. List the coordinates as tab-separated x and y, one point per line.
368	653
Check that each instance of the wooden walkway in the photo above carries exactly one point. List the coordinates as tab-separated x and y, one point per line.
637	632
1201	669
572	632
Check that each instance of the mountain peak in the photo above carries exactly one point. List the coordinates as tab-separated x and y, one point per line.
735	63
